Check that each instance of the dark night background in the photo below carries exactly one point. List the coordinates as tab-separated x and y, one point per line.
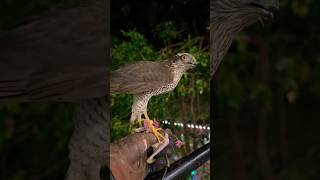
267	93
267	96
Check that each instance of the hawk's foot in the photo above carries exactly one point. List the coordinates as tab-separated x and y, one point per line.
139	121
133	124
151	127
157	133
151	160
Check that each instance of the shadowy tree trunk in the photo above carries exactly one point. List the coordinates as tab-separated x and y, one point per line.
238	166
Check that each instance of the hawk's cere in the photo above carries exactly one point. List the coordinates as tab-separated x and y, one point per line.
145	79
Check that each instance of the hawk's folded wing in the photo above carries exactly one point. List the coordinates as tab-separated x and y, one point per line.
140	77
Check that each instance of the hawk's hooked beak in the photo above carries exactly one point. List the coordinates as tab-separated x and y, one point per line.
266	10
194	64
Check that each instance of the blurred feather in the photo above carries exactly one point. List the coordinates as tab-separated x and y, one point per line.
59	55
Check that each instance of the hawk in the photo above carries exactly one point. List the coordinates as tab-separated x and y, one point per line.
145	79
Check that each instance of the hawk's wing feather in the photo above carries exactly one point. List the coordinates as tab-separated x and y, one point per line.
140	77
58	55
67	85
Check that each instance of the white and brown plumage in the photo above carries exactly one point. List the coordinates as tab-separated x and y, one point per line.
145	79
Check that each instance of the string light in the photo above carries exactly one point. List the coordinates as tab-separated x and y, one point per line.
192	126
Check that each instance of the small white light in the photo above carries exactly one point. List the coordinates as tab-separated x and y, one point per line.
181	125
208	128
200	127
197	126
192	126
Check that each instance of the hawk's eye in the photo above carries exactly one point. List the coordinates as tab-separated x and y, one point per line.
183	57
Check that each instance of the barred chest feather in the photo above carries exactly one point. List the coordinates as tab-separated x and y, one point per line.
140	101
169	87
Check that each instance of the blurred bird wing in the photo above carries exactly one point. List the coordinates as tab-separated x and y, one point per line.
140	77
60	54
66	85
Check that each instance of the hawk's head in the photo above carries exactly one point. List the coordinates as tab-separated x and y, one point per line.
244	11
228	17
185	61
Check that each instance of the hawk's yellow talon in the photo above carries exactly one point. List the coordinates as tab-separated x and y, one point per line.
155	131
158	135
151	161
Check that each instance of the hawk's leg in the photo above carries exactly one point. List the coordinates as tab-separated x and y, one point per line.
163	141
136	118
141	128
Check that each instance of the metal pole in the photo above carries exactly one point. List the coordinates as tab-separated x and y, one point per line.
184	165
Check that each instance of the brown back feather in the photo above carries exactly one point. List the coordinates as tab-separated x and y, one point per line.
61	54
140	77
